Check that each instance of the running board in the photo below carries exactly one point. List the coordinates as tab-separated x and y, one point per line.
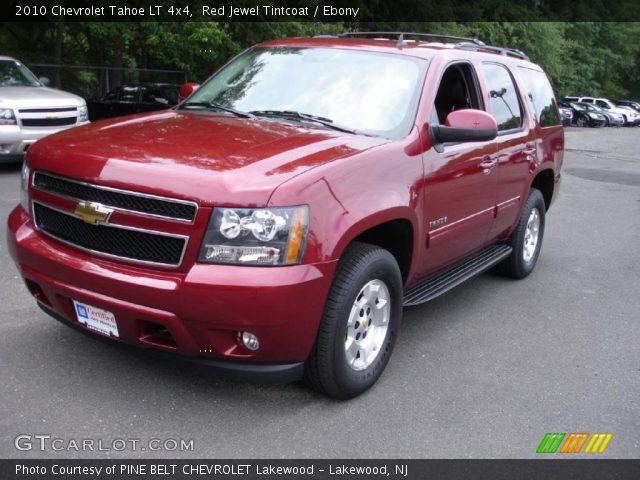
441	282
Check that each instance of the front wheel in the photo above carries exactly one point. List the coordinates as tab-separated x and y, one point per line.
360	323
526	239
581	121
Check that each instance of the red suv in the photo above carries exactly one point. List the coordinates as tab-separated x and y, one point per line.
276	222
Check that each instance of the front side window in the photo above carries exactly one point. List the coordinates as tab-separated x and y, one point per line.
14	74
159	96
503	97
457	90
369	92
129	94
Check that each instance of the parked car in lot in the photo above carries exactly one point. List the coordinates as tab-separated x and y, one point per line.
275	224
630	117
129	99
633	118
566	115
585	115
612	119
29	110
628	103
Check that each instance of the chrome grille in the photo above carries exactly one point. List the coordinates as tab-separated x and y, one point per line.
111	240
123	200
48	117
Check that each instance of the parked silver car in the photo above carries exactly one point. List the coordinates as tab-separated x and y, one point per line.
29	110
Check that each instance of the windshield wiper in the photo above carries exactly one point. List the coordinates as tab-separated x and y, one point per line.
217	106
292	114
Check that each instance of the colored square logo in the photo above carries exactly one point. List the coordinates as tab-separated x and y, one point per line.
82	311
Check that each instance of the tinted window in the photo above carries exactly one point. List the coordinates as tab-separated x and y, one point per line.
503	98
540	93
129	94
159	96
113	94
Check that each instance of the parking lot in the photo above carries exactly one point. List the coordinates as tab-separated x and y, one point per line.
484	371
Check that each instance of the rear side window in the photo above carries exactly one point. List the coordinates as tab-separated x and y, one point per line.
503	97
540	93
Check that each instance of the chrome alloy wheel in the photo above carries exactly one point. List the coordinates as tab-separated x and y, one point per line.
531	235
368	324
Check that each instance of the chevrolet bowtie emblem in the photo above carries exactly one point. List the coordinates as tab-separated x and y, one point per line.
93	213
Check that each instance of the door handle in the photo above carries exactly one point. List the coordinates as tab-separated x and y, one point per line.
488	164
529	152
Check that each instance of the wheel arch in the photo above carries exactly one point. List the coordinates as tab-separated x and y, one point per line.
544	181
394	230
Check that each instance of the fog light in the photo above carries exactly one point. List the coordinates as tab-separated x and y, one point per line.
249	340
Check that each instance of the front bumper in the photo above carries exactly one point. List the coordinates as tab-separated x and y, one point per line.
196	314
15	139
273	373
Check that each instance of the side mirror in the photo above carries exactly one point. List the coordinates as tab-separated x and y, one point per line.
462	126
45	81
187	89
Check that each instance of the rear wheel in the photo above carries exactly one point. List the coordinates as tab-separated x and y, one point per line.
526	239
360	323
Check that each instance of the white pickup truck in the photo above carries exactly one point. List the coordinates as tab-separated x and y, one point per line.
29	110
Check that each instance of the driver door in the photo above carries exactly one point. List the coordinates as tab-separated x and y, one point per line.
461	181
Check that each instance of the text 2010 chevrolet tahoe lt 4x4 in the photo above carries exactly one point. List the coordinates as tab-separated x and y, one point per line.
275	223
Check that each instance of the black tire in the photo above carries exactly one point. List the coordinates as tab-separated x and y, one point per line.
516	266
581	122
327	369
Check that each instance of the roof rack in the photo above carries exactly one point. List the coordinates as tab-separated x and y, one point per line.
509	52
401	36
463	43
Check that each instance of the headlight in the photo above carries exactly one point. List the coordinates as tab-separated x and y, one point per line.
594	115
83	114
24	187
255	236
7	117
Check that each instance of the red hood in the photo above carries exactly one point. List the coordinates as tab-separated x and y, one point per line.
213	159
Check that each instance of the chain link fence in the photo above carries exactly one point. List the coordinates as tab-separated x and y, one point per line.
90	81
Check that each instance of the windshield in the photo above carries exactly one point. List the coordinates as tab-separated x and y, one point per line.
14	74
368	92
588	107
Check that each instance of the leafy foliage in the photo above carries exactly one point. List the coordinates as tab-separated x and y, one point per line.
585	58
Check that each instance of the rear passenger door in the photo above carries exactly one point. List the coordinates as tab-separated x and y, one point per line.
516	149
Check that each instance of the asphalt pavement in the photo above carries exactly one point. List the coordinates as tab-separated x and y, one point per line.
483	372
